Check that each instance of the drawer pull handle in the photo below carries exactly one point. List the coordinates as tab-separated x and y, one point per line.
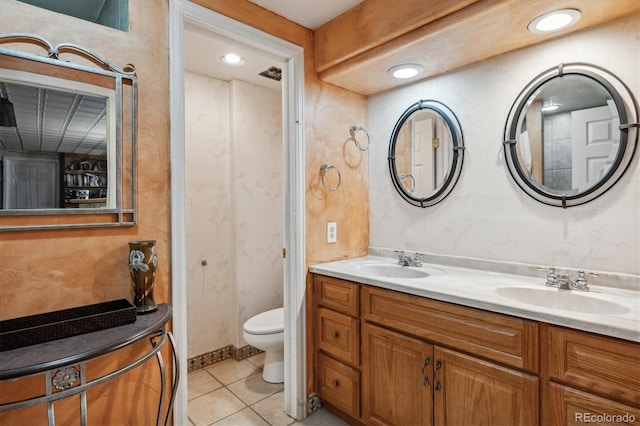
334	335
437	384
335	383
425	382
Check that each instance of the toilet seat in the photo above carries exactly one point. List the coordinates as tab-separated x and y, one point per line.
268	322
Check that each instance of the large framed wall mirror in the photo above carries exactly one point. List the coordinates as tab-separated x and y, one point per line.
571	134
67	137
425	153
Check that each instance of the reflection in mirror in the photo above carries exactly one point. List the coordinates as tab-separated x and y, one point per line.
425	153
55	153
565	140
67	137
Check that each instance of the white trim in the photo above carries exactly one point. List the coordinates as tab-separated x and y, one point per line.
181	12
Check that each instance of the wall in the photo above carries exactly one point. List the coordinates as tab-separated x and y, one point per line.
235	208
487	216
48	270
210	289
258	185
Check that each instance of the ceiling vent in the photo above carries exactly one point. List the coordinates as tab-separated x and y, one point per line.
274	73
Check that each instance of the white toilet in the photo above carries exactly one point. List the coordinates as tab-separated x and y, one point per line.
265	331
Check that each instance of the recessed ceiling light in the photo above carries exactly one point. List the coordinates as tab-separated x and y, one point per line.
554	21
405	71
233	59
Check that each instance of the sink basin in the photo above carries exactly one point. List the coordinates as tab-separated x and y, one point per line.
566	300
397	271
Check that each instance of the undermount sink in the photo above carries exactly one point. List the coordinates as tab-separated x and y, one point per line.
398	271
566	300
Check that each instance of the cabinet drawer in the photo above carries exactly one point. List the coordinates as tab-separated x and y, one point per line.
602	365
338	335
339	385
571	407
336	294
508	340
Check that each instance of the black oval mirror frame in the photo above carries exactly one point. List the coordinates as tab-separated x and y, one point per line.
627	109
457	155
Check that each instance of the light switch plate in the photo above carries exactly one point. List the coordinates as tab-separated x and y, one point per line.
332	232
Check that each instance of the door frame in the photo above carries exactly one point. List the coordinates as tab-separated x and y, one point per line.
182	12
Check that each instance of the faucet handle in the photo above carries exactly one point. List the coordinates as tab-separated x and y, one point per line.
581	280
552	277
417	260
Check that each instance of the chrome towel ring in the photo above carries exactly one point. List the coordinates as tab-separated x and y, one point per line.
403	176
353	131
324	169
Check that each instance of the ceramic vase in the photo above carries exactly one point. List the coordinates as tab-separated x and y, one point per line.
142	268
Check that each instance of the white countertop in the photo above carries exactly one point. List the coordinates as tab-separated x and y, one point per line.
479	289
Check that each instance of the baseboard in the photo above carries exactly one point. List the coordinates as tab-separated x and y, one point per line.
218	355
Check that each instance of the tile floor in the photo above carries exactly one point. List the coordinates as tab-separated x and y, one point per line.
233	393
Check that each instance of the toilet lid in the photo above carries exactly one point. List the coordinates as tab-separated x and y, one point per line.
266	323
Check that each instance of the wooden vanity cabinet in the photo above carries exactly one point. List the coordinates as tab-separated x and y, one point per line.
400	359
396	378
337	343
409	380
591	375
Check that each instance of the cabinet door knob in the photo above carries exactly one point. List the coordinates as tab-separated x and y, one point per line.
335	383
334	335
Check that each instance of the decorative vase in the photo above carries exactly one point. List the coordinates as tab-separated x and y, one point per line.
142	267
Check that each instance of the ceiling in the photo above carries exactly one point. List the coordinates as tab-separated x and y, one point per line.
54	121
308	13
203	50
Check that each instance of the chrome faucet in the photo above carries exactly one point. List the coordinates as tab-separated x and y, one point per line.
564	282
406	260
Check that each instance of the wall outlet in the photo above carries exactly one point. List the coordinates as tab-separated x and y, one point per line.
332	232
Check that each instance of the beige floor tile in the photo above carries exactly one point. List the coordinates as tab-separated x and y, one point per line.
272	410
257	360
321	418
254	388
201	382
213	406
230	371
246	417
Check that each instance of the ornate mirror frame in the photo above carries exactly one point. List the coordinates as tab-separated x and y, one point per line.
627	109
91	71
457	154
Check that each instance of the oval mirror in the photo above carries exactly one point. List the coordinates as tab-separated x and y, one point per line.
571	134
426	153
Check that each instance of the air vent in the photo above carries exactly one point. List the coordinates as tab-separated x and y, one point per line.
274	73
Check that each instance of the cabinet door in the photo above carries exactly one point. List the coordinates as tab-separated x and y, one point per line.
469	391
396	380
573	407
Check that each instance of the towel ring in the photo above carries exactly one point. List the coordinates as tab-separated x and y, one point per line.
323	171
355	129
403	176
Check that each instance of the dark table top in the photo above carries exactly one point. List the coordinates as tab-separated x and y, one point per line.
57	353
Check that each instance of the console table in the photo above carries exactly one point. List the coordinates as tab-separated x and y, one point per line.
64	355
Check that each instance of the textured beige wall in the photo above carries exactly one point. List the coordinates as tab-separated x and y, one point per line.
46	270
41	271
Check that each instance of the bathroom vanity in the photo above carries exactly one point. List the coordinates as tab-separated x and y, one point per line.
445	348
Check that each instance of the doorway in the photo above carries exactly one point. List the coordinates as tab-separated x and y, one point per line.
185	13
